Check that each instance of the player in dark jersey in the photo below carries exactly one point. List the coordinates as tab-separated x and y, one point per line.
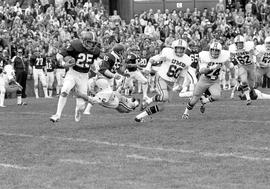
191	78
38	64
50	67
79	57
134	67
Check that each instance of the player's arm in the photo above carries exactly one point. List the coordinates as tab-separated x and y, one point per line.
153	60
66	57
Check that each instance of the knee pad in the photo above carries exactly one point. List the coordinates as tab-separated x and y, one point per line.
64	94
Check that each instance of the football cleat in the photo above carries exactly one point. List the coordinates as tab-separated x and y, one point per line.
54	118
22	104
139	120
248	102
185	116
202	109
78	114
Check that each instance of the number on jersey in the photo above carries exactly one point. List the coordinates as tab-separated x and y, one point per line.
266	59
243	60
174	71
84	60
213	75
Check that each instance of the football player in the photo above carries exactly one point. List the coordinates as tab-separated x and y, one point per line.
191	80
242	53
60	72
145	56
173	68
263	59
50	67
254	94
78	56
210	64
38	63
110	70
133	60
115	100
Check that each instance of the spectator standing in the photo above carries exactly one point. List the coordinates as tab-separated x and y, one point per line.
21	67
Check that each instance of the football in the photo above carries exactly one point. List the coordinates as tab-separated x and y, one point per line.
69	61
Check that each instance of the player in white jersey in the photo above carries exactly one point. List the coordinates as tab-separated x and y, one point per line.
262	53
210	64
173	69
242	53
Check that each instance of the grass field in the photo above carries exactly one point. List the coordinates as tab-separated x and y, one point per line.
227	147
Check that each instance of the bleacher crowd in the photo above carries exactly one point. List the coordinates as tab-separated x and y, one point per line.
50	26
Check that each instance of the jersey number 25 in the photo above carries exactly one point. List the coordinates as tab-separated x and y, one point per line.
84	60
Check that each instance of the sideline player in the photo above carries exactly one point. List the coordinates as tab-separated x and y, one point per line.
173	69
210	65
78	56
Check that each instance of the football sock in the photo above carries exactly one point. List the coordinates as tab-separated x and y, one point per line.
19	99
50	92
45	92
36	92
189	107
246	93
61	104
149	111
145	89
2	98
88	108
139	87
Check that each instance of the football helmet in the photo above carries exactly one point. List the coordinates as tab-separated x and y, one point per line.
215	49
179	47
267	42
118	49
134	49
239	42
88	39
194	46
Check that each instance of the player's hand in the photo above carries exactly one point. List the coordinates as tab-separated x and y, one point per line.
214	67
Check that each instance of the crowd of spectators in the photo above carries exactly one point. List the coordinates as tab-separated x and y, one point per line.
51	26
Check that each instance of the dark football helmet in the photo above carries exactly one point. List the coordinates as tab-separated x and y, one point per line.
88	39
118	49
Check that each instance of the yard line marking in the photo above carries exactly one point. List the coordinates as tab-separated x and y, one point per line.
161	118
14	166
154	159
138	146
77	161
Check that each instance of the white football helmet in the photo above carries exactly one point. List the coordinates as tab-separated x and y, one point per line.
267	42
215	49
179	47
239	41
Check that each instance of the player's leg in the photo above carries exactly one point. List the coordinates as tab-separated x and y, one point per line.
261	96
2	91
44	84
152	78
60	74
199	89
91	89
69	83
162	96
81	85
35	77
50	80
244	83
141	79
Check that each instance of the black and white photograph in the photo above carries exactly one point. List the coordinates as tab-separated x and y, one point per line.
134	94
